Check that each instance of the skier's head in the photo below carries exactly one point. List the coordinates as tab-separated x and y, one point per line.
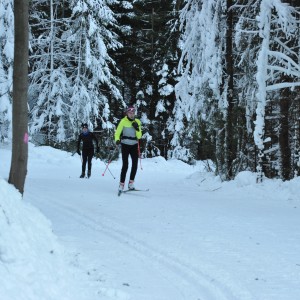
130	111
130	108
85	128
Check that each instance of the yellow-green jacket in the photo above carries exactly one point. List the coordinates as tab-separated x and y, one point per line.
126	133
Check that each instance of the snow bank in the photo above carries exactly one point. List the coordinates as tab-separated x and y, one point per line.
33	265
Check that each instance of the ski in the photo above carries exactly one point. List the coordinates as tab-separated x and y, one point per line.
135	190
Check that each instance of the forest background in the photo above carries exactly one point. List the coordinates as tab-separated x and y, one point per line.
211	79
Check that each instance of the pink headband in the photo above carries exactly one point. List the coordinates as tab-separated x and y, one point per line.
130	109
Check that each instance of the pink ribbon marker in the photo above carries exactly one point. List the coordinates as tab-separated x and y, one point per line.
26	138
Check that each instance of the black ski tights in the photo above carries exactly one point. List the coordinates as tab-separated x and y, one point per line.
131	150
87	155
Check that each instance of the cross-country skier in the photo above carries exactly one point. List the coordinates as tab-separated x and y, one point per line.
127	134
87	138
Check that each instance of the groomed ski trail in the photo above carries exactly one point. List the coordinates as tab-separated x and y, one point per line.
202	285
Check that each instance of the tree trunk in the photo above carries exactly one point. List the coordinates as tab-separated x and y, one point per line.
284	145
229	72
19	159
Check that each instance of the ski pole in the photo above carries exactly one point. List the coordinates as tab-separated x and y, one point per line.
109	161
107	167
111	173
139	153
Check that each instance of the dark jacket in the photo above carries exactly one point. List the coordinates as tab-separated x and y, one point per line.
87	141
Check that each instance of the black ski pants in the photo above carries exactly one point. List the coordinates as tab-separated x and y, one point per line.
87	155
127	150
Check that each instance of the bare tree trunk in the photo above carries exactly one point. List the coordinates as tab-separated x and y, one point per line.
18	169
229	152
284	141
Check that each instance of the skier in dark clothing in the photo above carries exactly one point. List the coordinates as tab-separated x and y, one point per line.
87	138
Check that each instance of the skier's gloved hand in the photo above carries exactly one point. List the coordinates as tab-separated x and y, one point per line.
118	142
135	125
78	151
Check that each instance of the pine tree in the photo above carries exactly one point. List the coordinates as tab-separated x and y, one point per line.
71	76
275	65
202	89
50	86
147	65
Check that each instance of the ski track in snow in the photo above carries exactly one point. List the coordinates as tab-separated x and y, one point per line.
205	286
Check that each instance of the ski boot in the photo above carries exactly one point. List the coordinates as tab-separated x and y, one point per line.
121	188
131	185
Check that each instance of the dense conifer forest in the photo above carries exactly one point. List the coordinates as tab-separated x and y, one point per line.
211	80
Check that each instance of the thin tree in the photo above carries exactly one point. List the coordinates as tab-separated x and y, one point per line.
18	169
229	124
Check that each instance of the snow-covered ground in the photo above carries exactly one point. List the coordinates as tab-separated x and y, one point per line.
189	237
